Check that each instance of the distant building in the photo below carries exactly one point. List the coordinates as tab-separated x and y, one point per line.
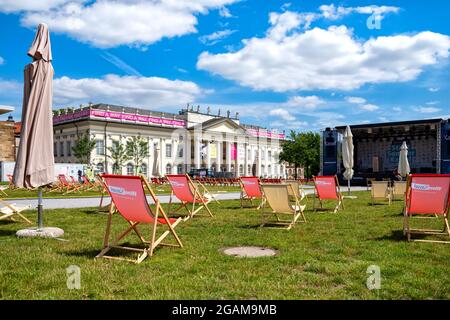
178	143
7	140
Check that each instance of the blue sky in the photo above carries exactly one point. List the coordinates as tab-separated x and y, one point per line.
301	65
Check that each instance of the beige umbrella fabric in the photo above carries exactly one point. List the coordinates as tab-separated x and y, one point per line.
403	163
35	161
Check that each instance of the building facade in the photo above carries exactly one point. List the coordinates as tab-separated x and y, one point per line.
178	143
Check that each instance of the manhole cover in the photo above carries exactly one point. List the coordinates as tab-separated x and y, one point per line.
249	252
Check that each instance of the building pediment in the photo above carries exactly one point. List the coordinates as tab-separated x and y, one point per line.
223	125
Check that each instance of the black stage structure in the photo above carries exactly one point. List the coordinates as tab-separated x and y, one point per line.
377	148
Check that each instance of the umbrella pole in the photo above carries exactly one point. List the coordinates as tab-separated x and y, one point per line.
348	181
39	209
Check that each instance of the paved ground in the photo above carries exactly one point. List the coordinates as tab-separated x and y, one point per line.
94	201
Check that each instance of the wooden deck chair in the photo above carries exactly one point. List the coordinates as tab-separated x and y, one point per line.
296	189
427	194
10	210
88	185
104	189
381	191
399	190
206	192
192	199
278	199
327	188
129	200
2	190
250	190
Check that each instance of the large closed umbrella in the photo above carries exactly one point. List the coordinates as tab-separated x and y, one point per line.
403	163
347	155
35	161
156	172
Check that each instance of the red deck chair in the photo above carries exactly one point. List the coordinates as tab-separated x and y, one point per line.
427	194
65	186
129	200
250	190
88	185
188	193
327	188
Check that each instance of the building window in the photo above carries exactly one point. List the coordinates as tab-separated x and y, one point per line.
249	170
180	152
100	147
180	169
144	169
249	154
99	168
55	149
69	148
61	149
269	155
241	170
130	169
168	151
168	169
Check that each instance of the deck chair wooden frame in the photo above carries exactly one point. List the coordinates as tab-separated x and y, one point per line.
422	198
191	198
2	190
206	192
104	189
278	201
249	195
380	191
9	210
321	194
297	189
140	211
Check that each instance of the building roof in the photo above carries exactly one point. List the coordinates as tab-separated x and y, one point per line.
391	124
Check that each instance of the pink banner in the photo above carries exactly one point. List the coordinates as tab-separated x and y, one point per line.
265	133
233	152
118	116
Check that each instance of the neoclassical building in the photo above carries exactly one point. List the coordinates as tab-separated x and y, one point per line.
178	143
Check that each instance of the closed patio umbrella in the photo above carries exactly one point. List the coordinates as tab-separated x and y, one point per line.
156	172
403	163
347	155
35	163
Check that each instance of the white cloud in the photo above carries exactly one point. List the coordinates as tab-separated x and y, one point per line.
2	61
146	92
397	109
304	102
427	109
355	100
215	37
31	5
225	12
431	103
433	89
333	13
123	22
282	113
287	59
369	107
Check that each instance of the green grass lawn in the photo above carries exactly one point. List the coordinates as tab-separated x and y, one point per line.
159	189
326	258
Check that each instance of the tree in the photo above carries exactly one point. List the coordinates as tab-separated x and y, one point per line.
83	149
137	150
302	149
118	155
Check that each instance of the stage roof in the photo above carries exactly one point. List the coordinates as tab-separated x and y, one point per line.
391	124
6	109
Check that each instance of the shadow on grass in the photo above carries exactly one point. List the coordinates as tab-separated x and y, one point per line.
7	233
397	235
